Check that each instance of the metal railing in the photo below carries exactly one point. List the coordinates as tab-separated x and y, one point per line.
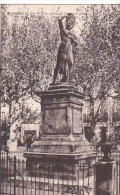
50	178
21	177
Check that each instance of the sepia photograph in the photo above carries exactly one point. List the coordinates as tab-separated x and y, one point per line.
60	99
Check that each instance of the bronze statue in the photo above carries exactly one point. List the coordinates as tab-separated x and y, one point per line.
65	58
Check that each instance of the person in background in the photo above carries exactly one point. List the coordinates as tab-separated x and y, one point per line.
28	142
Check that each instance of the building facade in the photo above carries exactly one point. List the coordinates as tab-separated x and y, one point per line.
106	114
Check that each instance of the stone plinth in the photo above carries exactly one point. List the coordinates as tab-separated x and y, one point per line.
106	178
62	124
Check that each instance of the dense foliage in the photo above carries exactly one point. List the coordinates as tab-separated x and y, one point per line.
29	51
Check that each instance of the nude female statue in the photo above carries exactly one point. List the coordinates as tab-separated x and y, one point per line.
65	58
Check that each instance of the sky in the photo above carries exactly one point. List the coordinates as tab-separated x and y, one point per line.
60	1
55	11
50	11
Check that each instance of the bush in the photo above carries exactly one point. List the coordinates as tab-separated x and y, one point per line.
5	131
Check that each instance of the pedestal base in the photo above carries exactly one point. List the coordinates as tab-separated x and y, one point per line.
65	169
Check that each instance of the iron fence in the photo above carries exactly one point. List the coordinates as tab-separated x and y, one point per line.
21	177
50	178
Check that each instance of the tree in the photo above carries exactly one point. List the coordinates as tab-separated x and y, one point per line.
97	61
29	51
4	134
98	56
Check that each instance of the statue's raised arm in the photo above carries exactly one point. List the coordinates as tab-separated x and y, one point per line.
65	58
60	21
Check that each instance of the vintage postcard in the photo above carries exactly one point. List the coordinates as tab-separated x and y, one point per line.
60	99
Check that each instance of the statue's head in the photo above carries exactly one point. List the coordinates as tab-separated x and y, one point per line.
70	21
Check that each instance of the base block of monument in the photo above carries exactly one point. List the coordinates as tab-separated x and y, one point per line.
61	132
106	178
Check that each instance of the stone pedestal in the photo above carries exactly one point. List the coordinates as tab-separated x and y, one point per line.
62	134
106	178
62	142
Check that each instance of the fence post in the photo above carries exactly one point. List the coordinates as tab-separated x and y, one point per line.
106	173
23	175
7	165
14	175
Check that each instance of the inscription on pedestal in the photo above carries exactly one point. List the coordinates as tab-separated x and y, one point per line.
62	99
55	121
58	99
